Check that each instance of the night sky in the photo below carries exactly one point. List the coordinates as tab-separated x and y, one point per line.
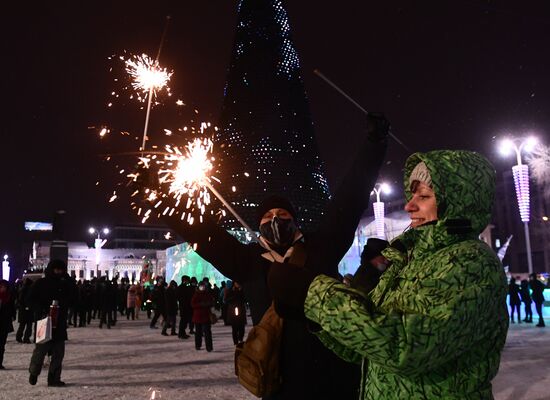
447	75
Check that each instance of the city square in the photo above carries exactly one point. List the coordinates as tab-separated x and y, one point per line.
279	200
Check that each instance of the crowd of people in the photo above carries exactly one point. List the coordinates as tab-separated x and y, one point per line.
101	302
527	292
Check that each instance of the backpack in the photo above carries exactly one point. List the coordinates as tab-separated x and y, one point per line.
257	359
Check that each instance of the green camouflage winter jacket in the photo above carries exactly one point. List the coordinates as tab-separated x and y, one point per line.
435	326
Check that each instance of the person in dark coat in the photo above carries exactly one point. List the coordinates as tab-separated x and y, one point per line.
171	306
87	298
158	302
236	311
537	288
373	265
107	302
7	316
185	293
309	370
56	285
515	301
526	300
25	314
201	302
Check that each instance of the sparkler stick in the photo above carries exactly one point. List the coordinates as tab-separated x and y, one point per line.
190	176
356	104
231	210
148	113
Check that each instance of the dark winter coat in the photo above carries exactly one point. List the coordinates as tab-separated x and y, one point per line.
201	302
309	370
524	292
7	313
236	306
107	296
171	301
513	291
185	294
157	297
50	288
24	309
538	291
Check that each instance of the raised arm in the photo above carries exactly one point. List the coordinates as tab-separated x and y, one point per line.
351	198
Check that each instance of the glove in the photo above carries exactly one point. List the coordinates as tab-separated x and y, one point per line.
289	284
378	127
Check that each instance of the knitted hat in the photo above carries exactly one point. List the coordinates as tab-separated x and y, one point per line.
272	202
421	173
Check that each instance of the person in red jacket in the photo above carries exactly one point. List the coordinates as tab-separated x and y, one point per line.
201	302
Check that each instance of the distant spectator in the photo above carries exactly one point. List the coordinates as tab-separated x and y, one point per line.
236	311
25	315
56	285
526	300
171	307
185	293
7	315
538	297
515	302
202	302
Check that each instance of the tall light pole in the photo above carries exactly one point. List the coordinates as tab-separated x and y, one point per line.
6	268
98	244
378	207
521	182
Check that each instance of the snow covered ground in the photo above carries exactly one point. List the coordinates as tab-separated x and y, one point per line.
130	361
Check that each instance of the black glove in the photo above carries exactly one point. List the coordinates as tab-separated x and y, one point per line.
378	127
289	284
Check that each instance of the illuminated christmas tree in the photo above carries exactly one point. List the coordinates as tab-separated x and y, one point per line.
266	138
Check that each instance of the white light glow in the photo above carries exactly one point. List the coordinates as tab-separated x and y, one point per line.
506	147
530	144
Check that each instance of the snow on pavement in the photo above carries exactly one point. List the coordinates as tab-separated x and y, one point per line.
130	361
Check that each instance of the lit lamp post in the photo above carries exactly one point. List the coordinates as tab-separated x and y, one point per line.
6	268
521	182
98	244
378	207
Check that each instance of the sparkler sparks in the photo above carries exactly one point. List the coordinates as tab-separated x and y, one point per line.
187	171
148	77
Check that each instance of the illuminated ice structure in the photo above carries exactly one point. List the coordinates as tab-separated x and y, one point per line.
266	134
183	260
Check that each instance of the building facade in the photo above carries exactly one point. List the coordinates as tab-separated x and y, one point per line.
86	263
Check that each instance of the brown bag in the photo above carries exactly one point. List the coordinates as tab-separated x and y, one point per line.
257	359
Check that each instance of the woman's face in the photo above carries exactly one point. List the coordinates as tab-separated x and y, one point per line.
422	207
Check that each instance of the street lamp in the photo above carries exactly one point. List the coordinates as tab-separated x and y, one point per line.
6	268
378	207
98	244
521	183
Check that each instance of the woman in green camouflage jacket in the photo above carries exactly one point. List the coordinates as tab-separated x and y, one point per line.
435	326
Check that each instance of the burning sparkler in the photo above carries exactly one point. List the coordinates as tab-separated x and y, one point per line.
188	173
148	76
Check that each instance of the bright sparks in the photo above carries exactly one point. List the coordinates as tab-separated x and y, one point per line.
192	169
147	75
